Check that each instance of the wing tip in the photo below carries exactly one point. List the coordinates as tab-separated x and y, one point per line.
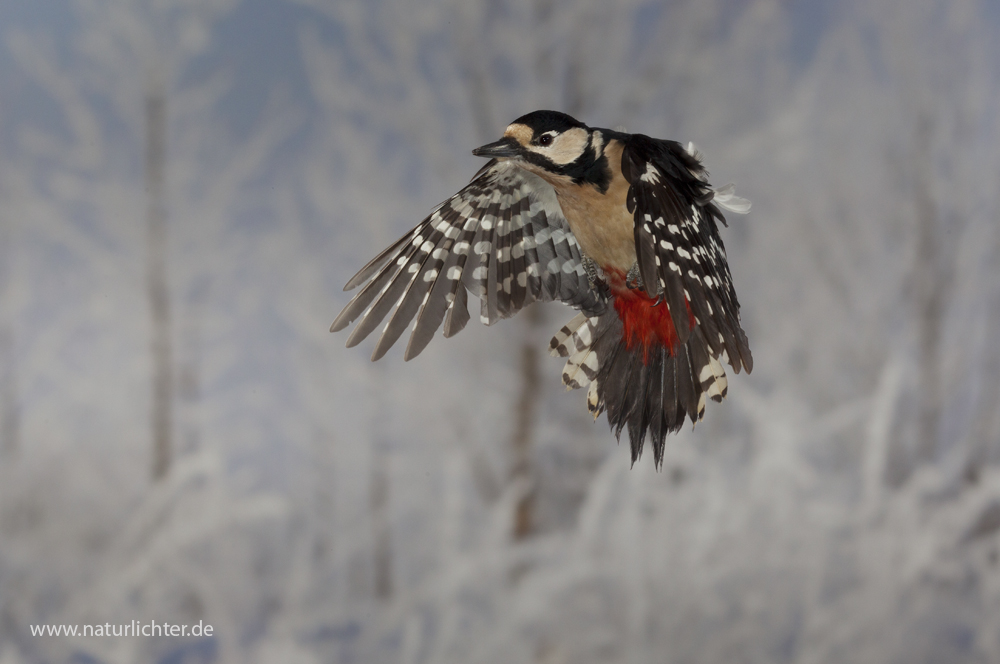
354	281
416	345
341	321
380	350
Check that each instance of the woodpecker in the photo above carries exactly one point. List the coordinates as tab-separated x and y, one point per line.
621	227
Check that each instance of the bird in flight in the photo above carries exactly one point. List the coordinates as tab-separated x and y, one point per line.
622	227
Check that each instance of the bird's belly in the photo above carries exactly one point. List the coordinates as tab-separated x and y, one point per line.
601	223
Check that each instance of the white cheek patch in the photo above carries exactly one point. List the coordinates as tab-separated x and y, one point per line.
566	147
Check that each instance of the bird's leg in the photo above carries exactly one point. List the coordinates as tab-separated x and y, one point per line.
593	272
633	279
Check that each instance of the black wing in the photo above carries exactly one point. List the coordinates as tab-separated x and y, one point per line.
522	249
677	242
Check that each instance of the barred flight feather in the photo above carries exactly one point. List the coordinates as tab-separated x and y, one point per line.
510	221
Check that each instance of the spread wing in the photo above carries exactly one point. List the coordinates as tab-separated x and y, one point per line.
503	237
677	242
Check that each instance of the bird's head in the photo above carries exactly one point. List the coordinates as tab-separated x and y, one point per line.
549	141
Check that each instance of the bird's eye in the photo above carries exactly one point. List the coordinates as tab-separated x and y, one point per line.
545	139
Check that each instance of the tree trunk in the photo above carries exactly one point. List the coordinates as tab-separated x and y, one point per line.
381	525
159	297
9	415
523	436
9	412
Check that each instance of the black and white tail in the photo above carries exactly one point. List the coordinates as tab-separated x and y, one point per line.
643	390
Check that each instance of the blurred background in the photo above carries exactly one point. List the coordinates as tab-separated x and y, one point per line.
186	185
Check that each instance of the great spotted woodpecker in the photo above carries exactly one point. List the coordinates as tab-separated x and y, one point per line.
620	226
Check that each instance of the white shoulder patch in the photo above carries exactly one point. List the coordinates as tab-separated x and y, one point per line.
651	174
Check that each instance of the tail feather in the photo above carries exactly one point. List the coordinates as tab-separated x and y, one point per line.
658	428
581	368
575	341
575	336
698	354
713	379
613	380
686	392
637	413
643	390
673	414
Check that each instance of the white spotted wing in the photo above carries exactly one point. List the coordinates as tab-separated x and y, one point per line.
679	250
503	237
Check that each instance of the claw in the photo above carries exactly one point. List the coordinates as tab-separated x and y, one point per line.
634	279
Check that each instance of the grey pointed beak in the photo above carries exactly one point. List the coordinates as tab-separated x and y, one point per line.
505	147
